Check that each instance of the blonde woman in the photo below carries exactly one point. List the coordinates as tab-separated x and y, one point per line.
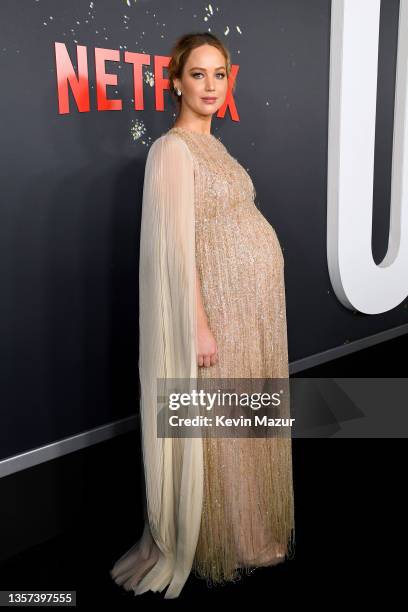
212	305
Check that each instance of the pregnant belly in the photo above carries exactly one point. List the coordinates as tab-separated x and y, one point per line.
239	262
257	240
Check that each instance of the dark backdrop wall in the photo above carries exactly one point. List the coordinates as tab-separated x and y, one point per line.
71	187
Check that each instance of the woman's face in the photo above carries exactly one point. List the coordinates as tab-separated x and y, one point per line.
204	76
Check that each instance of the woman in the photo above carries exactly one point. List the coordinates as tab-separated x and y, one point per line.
212	305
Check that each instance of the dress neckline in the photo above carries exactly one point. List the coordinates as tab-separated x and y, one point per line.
184	129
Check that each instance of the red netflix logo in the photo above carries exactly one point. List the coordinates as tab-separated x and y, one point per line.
79	83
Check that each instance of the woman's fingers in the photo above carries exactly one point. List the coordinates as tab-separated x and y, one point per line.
207	360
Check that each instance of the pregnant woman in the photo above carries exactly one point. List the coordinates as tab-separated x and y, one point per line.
212	305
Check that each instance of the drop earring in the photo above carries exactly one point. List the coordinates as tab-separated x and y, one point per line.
178	92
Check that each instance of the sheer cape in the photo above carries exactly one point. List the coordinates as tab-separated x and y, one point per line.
173	467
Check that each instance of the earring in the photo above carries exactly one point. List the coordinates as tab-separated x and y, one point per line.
178	92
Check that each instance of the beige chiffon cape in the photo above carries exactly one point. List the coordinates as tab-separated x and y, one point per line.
173	467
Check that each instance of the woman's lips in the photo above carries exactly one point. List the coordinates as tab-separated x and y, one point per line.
209	100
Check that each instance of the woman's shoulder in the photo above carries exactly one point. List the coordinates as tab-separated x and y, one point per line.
169	143
170	137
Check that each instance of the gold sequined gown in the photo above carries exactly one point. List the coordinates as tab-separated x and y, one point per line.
247	517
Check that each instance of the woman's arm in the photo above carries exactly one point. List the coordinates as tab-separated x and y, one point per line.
206	344
201	314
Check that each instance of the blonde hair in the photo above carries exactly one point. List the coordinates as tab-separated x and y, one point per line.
181	51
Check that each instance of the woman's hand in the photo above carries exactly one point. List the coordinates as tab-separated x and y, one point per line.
207	354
